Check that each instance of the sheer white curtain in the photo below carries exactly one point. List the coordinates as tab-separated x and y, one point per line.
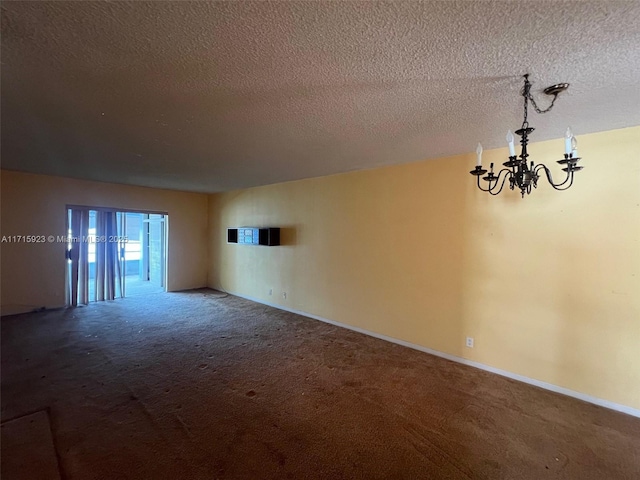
108	265
78	287
108	279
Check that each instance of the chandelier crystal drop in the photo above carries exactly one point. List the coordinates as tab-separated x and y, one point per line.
519	171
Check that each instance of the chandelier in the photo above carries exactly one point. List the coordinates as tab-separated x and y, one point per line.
519	171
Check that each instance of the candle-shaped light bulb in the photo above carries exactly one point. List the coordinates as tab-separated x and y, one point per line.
492	168
479	156
567	141
574	147
512	148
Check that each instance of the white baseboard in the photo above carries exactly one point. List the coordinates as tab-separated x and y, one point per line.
521	378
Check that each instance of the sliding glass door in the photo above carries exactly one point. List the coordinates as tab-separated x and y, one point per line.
144	252
155	247
113	254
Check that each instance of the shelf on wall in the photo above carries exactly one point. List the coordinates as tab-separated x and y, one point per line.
269	236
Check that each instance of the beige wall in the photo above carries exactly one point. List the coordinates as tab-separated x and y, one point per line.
549	285
33	275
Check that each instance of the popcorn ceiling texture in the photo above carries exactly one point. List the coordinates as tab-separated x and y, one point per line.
212	96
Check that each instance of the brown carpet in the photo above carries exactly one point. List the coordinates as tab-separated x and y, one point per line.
192	386
27	448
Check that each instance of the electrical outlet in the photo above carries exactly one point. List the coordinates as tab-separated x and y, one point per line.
470	342
284	295
271	291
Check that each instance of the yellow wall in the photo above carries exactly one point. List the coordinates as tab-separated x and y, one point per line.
33	275
549	285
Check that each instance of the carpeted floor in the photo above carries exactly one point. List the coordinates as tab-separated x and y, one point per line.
194	386
29	433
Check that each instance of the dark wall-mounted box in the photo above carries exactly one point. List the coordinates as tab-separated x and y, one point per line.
254	236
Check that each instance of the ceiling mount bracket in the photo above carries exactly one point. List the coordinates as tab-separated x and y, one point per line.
556	89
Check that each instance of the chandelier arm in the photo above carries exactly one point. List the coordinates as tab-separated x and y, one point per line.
480	187
491	189
504	179
550	179
568	186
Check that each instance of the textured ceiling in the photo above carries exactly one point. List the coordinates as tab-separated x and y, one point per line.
212	96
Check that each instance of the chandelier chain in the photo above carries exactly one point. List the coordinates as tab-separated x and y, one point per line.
526	93
538	110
